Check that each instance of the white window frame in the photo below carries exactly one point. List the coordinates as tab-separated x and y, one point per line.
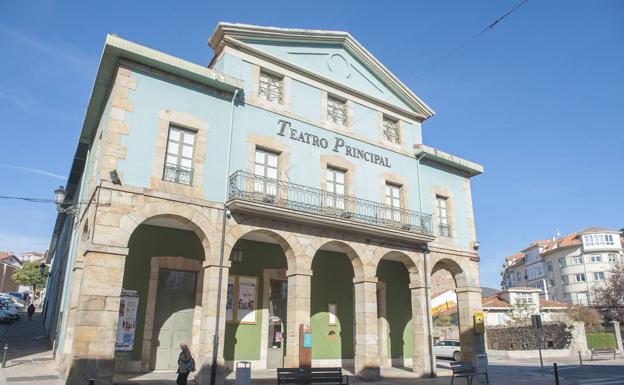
578	260
580	277
265	167
613	257
599	274
444	227
179	155
595	258
336	186
393	199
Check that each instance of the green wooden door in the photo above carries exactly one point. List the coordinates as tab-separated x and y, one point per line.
173	319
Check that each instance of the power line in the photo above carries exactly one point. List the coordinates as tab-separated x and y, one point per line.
35	200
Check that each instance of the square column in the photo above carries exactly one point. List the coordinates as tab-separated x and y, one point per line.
95	315
469	302
298	312
207	334
618	335
421	352
366	332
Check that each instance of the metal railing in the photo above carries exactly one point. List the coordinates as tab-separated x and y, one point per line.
250	187
178	174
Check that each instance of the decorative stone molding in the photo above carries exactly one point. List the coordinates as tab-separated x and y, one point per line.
184	120
255	89
328	123
450	210
271	144
342	164
399	180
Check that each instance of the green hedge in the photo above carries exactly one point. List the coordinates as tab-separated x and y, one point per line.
601	340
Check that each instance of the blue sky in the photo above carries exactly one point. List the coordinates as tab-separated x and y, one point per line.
537	100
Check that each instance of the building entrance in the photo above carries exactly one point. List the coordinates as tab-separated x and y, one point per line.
173	319
277	323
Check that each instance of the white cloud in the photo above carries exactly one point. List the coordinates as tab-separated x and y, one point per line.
34	171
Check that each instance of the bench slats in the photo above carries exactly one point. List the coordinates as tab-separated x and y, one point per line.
310	375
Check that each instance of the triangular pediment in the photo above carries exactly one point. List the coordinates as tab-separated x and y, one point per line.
332	55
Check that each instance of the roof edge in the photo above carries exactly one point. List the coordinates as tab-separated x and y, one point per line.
438	156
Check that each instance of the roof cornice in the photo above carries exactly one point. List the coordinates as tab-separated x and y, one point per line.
244	31
438	156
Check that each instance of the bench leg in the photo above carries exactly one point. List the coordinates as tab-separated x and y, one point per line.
452	378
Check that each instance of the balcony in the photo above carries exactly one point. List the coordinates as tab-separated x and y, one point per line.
178	174
285	200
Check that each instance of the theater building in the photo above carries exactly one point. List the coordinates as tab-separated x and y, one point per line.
285	184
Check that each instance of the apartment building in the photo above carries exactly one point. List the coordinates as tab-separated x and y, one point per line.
567	268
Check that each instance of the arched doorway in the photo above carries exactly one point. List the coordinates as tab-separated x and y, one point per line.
256	304
332	313
394	310
162	285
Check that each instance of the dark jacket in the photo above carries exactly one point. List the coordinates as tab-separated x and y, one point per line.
186	363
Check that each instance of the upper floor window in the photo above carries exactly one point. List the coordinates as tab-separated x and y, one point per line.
549	266
391	130
612	257
596	258
445	229
336	188
599	276
565	279
579	277
594	240
393	199
337	110
577	260
265	165
179	159
562	262
271	87
524	298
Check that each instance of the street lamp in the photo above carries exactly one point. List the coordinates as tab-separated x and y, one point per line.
59	198
476	245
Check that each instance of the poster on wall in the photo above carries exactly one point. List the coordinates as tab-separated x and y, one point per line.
126	323
229	308
245	312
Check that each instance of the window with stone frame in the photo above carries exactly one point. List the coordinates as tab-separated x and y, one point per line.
179	157
391	130
271	87
336	188
337	110
442	207
393	199
265	169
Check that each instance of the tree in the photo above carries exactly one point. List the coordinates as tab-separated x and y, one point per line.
609	298
590	316
30	275
520	315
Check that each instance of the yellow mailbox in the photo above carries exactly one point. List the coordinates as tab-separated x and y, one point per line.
479	323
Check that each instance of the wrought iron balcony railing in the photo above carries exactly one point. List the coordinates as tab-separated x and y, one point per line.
254	188
178	174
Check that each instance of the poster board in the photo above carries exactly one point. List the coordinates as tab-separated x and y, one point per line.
247	299
229	306
126	322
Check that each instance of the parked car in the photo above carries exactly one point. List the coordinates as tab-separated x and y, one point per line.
10	308
6	317
16	301
447	349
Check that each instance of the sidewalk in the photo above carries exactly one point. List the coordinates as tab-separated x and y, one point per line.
29	357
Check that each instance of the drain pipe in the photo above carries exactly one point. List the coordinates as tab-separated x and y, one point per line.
215	339
425	250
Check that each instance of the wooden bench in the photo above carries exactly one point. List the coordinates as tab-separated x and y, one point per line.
311	376
597	352
465	369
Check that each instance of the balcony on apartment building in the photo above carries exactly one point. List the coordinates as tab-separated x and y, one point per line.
250	193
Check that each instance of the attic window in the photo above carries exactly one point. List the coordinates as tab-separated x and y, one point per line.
391	130
271	87
337	110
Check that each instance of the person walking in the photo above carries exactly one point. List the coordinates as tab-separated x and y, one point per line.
186	364
30	310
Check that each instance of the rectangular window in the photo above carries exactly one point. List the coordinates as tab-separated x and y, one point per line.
524	298
335	188
579	277
445	229
265	167
596	258
551	283
562	262
612	257
609	239
271	87
599	276
179	157
337	110
577	260
391	130
549	266
393	199
598	240
565	279
582	298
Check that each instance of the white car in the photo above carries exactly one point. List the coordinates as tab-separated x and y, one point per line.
16	302
447	349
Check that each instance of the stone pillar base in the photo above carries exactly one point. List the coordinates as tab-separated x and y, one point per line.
370	374
83	369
